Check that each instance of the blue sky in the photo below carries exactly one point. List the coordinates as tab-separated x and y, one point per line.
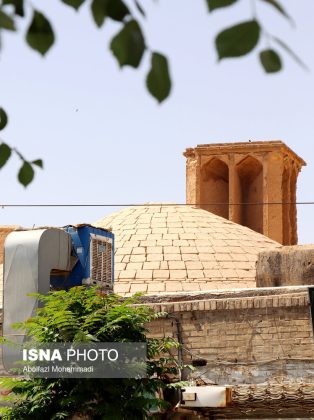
120	146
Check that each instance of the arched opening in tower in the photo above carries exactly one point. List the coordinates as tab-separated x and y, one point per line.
286	207
215	187
293	208
250	173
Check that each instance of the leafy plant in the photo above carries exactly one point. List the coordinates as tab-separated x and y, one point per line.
87	315
26	172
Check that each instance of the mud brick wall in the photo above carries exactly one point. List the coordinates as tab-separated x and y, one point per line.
244	339
4	231
288	266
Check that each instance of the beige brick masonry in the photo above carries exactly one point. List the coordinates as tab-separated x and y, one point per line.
177	265
248	337
167	248
153	265
177	274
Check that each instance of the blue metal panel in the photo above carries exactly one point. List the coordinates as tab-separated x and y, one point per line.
81	242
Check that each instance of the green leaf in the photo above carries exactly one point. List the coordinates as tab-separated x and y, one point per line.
158	79
238	40
26	174
217	4
278	7
6	22
5	153
38	162
3	118
115	9
291	53
18	6
99	11
76	4
40	34
271	61
128	45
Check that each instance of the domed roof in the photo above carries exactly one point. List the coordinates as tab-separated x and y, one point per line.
172	248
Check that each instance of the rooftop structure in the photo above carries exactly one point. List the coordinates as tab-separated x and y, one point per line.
250	183
200	263
171	248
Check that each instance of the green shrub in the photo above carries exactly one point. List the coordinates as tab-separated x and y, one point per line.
87	315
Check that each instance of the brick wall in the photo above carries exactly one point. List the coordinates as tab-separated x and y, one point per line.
244	340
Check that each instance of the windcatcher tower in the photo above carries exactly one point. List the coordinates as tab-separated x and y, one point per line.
249	183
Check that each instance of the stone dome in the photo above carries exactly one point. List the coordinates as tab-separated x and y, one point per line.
170	248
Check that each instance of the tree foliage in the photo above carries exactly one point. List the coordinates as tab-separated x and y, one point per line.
86	315
129	44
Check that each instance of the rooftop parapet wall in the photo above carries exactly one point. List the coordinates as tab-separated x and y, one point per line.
235	180
244	339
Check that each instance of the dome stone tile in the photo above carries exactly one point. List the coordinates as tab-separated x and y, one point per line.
181	248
